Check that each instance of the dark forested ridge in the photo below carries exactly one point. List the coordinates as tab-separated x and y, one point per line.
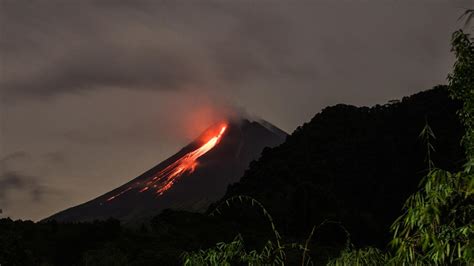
351	165
354	165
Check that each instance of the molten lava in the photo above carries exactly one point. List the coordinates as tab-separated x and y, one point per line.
164	179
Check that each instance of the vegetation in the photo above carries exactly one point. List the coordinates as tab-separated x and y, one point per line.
437	226
234	253
273	253
159	242
366	256
461	87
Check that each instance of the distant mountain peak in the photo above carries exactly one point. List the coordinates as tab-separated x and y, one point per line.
199	172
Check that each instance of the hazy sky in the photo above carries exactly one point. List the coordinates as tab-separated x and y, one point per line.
96	92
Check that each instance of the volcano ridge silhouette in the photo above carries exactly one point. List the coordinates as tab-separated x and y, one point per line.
221	166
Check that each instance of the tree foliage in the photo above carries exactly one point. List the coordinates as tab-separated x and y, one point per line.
437	226
234	253
461	87
272	253
366	256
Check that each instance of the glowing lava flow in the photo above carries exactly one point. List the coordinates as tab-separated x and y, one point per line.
164	179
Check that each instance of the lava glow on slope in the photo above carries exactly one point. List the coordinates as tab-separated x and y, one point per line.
164	179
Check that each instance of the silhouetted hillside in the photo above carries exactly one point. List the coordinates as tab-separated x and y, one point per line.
353	165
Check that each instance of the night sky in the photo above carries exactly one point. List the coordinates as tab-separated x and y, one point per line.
96	92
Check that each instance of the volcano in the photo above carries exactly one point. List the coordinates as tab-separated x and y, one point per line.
194	177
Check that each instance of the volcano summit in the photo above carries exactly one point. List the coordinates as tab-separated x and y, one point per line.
189	180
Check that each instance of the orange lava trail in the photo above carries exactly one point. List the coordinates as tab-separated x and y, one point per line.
164	179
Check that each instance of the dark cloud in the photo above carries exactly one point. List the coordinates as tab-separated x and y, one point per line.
56	47
14	181
8	181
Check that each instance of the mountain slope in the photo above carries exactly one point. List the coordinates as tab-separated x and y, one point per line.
189	180
353	165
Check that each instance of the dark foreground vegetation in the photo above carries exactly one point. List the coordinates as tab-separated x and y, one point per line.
352	186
